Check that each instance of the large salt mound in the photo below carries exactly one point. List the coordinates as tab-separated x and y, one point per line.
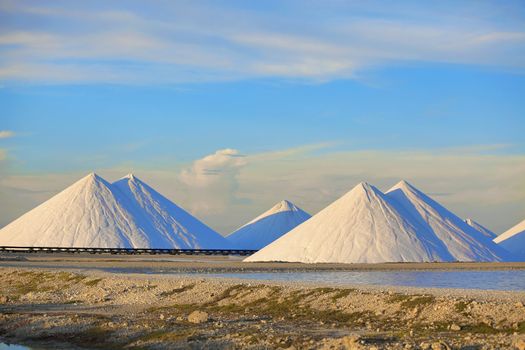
95	213
488	233
360	227
462	241
513	240
367	226
268	226
165	221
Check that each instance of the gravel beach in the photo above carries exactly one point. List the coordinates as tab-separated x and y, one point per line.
69	302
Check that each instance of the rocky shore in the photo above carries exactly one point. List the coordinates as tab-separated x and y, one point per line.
95	309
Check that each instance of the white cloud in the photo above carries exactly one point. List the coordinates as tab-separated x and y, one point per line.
221	166
218	44
5	134
211	182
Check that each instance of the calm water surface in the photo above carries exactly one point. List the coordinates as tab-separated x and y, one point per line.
494	280
463	279
4	346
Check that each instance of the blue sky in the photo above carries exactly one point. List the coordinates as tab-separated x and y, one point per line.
301	99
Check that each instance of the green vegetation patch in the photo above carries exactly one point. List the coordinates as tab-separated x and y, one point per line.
342	293
418	301
292	307
480	328
167	336
521	327
69	277
411	301
461	307
177	290
398	298
31	282
92	283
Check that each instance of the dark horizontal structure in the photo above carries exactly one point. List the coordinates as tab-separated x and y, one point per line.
128	251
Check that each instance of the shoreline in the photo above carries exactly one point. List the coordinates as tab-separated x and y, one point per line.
233	263
98	309
474	294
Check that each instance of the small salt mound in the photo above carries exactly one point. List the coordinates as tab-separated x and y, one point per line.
268	226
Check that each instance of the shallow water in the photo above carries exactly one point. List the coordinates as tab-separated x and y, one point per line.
511	280
4	346
492	280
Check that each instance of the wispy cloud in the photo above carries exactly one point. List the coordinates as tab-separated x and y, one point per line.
480	183
5	134
188	42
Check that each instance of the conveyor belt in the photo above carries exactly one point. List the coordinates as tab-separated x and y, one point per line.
129	251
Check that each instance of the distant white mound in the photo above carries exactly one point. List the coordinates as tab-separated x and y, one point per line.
463	242
268	226
95	213
513	240
367	226
481	228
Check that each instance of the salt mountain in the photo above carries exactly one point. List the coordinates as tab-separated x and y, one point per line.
481	228
368	226
514	240
268	226
95	213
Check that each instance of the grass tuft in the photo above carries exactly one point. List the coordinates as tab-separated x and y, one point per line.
177	290
93	283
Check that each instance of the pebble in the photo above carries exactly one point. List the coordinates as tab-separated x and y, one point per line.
455	327
4	299
484	314
519	343
198	317
425	346
440	346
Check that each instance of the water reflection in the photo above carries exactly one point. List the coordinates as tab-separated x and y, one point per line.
493	280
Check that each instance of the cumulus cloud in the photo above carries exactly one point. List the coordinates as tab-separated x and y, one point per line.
212	181
5	134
